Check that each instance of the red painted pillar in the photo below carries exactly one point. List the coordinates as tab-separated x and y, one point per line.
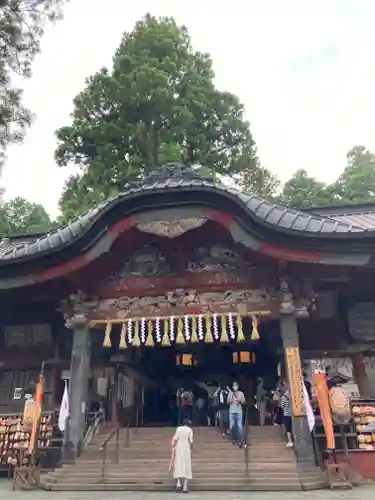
360	375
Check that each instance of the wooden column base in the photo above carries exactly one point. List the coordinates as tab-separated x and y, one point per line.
303	444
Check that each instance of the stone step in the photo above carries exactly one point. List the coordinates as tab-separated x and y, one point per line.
139	482
202	458
197	464
217	464
219	445
144	476
203	469
198	450
249	486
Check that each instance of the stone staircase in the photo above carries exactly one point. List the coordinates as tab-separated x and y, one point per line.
217	464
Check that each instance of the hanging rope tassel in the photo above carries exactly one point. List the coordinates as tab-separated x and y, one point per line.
180	339
208	338
136	339
224	332
240	334
150	339
165	341
107	335
194	336
122	344
255	332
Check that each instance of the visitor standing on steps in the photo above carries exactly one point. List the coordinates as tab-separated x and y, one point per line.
187	401
277	395
221	404
285	404
261	399
236	400
182	445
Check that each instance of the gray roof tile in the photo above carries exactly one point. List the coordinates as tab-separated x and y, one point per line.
180	178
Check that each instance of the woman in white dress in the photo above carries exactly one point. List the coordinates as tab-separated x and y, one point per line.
182	446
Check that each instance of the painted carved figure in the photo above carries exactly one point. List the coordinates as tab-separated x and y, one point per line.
147	261
217	258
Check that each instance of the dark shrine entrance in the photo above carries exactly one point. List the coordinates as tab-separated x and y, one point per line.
201	370
199	367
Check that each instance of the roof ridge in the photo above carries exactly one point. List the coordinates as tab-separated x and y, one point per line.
268	212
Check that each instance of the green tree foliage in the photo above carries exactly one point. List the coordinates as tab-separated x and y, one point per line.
21	27
19	216
157	104
355	185
357	182
303	191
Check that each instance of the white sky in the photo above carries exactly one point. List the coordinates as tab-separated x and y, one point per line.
305	69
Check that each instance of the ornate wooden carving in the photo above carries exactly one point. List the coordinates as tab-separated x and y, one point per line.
76	309
150	260
217	258
217	268
171	228
140	285
184	302
290	304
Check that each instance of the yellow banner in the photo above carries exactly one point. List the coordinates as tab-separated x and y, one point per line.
293	362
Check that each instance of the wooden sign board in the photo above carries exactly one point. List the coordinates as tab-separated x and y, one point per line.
293	362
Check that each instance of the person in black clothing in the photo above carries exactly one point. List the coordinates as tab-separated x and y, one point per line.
221	404
308	385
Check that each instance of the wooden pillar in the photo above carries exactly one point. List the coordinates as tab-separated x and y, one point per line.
303	444
360	375
78	388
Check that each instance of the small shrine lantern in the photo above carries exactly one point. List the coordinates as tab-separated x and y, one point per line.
243	357
186	359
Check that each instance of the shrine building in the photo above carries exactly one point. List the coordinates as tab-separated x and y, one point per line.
184	280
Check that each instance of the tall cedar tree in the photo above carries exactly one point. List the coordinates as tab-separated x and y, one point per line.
21	27
157	104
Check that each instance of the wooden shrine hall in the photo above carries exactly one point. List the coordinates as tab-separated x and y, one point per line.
175	277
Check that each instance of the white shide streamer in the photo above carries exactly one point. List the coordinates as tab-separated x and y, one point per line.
186	327
130	331
143	330
200	327
231	326
171	328
215	323
157	330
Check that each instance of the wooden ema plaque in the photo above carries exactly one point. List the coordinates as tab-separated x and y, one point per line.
293	362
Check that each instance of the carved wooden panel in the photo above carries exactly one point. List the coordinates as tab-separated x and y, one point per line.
185	302
28	335
171	228
214	267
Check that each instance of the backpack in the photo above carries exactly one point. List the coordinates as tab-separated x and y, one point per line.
186	398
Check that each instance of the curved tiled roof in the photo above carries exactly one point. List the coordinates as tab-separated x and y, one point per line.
178	178
362	215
